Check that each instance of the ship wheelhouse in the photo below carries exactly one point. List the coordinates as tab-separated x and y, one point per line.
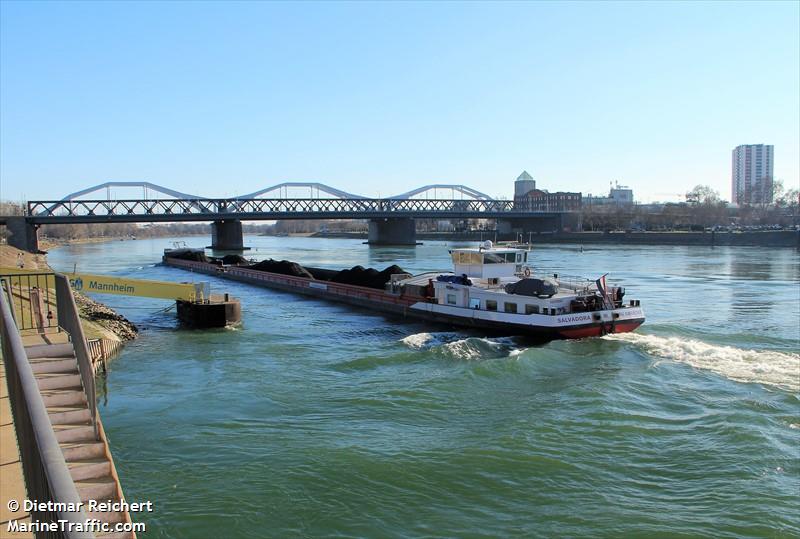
488	263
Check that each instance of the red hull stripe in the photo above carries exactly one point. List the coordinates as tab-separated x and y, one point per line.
597	331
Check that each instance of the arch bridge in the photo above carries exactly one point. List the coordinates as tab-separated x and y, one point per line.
391	219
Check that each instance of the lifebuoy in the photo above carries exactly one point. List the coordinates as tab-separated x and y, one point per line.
527	272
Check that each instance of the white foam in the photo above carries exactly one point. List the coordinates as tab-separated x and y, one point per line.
456	346
463	349
779	369
419	341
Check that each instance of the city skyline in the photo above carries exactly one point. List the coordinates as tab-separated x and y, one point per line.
377	99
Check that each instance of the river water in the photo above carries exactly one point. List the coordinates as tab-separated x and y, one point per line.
319	420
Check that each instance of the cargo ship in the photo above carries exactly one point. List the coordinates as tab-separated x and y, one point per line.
490	289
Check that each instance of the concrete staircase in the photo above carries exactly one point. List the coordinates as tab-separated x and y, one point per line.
85	451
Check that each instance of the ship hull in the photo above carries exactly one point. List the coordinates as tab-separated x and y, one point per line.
539	327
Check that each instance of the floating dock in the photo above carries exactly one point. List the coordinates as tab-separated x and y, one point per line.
218	311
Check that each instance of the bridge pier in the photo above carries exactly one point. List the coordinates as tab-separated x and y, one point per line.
226	235
22	234
392	231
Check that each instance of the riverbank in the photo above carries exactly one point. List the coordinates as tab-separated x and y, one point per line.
769	238
48	243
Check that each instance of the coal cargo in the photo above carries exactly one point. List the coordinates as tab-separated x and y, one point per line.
357	275
195	255
234	260
282	267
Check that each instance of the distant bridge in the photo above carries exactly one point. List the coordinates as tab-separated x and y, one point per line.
391	219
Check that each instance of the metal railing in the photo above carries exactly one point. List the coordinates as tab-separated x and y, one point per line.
576	283
32	298
69	320
47	476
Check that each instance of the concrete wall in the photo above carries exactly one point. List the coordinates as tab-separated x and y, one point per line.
780	238
776	238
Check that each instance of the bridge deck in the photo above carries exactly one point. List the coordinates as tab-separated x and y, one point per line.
164	210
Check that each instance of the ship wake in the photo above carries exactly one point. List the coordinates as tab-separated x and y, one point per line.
456	346
769	367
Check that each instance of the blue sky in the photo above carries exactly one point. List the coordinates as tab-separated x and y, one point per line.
378	98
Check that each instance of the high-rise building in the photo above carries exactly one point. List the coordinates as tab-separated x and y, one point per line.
751	174
524	184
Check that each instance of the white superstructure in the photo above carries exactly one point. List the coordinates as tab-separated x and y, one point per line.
499	288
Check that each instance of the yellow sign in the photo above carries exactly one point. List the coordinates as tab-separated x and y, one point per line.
103	284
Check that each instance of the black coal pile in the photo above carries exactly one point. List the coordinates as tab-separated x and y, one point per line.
322	274
234	260
283	267
357	275
195	255
369	277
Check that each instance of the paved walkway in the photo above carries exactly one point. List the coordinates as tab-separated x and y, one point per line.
12	484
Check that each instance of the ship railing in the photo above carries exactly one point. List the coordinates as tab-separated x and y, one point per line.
576	283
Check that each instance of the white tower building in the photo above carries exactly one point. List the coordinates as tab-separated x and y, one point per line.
751	174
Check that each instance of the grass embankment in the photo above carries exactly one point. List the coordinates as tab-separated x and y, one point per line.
99	322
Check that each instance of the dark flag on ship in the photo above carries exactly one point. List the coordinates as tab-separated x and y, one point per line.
601	287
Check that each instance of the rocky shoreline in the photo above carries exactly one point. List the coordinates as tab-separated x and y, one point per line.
105	317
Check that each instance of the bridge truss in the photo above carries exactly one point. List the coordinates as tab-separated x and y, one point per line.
201	209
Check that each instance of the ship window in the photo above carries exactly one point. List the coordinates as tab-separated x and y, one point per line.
461	257
510	307
451	299
531	309
474	303
493	258
491	305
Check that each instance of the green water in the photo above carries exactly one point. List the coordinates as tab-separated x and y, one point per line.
318	420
